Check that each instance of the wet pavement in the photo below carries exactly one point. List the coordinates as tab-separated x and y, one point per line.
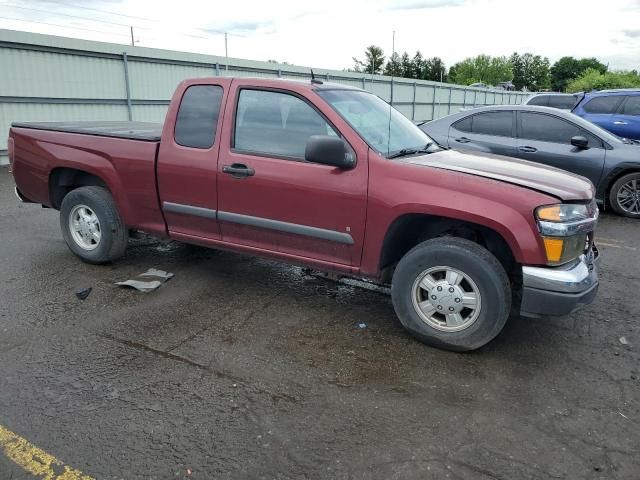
246	368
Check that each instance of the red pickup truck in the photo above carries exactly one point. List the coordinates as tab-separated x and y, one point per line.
329	177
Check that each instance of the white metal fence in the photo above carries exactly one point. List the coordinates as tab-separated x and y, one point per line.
48	78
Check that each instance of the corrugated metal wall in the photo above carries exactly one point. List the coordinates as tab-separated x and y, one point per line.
47	78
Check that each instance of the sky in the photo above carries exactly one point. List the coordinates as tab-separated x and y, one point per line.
328	33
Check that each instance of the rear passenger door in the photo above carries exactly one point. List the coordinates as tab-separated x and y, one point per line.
491	132
187	161
627	122
545	138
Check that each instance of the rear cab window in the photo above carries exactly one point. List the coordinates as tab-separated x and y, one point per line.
197	118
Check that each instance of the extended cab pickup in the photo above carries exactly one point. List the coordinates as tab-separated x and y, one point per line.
329	177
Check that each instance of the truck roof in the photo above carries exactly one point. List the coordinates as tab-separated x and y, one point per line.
152	132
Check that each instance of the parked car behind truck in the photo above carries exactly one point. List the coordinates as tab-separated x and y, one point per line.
552	137
329	177
615	110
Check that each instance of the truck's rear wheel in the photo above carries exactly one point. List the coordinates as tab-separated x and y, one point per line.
91	225
451	293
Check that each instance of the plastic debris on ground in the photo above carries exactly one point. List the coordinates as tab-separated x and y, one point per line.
361	325
83	292
623	341
147	286
153	272
140	285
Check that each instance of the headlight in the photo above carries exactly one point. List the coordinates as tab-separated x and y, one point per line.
565	230
566	212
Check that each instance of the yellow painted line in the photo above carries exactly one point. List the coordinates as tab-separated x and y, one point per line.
34	460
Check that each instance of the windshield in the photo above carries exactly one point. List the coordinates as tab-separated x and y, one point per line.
384	128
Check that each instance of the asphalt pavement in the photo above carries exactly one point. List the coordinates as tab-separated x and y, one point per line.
245	368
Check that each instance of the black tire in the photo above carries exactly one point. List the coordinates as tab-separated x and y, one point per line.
615	189
473	261
114	234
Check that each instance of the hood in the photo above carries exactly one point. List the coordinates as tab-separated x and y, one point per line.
545	179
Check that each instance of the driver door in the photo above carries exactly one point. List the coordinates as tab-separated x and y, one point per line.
270	198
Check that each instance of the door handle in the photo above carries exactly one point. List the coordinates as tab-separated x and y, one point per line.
619	122
238	170
463	140
527	149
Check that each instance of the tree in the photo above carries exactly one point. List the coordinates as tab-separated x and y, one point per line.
595	79
530	72
435	70
568	68
373	62
393	68
406	65
517	69
483	68
417	66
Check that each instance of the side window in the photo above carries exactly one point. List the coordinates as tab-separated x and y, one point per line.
632	106
547	128
562	101
198	116
539	100
603	104
463	125
594	142
493	123
275	123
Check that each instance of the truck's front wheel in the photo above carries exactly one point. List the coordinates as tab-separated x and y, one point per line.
451	293
91	225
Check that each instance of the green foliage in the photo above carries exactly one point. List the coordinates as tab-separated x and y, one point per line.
434	69
373	62
393	68
595	79
483	68
568	68
406	66
530	72
417	67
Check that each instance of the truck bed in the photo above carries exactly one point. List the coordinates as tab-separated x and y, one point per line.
144	131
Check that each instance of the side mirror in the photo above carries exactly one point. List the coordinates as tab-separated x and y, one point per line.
579	141
328	150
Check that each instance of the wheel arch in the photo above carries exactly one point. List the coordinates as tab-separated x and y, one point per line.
614	176
410	229
63	180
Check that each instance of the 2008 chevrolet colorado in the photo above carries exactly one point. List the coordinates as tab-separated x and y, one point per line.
330	177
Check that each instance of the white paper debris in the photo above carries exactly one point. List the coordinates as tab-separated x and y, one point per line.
140	285
154	272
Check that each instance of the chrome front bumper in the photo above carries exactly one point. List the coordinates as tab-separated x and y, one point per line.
560	290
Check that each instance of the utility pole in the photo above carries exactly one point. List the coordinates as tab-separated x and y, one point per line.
132	41
393	44
226	52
